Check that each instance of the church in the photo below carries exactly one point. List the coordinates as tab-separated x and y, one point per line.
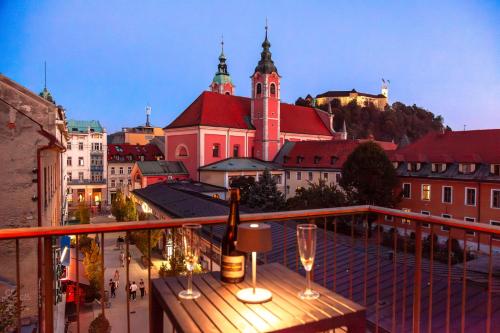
219	125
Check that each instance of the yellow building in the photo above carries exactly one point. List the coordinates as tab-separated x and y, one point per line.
139	135
344	97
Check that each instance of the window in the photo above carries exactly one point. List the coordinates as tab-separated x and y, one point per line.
425	212
466	168
113	183
395	165
426	192
215	150
310	176
69	145
273	89
414	166
129	182
337	177
80	176
495	223
80	161
112	170
80	145
389	218
495	169
447	194
495	198
121	170
406	190
69	176
438	167
121	182
277	179
325	175
443	227
406	221
333	160
317	159
470	196
129	170
299	175
181	151
236	150
259	89
287	190
287	174
300	159
68	161
469	219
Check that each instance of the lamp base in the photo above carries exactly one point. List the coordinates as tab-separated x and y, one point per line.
248	296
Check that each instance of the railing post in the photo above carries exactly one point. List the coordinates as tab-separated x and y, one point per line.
48	281
418	277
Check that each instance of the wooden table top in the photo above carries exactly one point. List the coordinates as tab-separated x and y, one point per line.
218	309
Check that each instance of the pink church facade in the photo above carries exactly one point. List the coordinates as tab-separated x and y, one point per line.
219	125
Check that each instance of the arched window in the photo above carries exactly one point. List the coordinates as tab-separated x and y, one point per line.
273	89
227	93
259	89
181	151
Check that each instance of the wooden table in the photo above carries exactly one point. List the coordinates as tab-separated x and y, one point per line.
218	309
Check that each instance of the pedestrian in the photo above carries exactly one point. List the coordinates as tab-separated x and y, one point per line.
122	258
133	290
142	288
112	287
127	290
116	278
129	257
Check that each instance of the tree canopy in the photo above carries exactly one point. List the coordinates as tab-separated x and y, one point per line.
264	194
317	195
368	177
123	209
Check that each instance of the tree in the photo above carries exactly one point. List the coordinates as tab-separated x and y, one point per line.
265	195
119	207
130	210
83	213
92	264
141	239
244	183
100	325
9	311
317	195
369	178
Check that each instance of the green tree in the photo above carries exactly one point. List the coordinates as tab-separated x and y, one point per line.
141	239
130	210
368	177
244	183
93	272
265	195
119	206
317	195
83	213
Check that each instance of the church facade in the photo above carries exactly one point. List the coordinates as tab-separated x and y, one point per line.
219	125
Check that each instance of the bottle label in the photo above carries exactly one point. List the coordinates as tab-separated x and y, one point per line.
233	267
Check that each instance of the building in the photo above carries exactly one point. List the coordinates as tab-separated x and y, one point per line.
33	137
453	175
220	125
145	173
344	97
121	160
139	135
86	163
309	162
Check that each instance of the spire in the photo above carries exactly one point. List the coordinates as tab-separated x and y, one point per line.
222	67
222	82
266	64
45	93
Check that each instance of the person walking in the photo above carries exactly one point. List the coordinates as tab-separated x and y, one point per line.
116	279
142	288
133	291
112	287
122	258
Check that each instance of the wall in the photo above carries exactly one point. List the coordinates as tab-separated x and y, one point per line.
188	138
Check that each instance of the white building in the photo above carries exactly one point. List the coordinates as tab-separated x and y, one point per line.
86	163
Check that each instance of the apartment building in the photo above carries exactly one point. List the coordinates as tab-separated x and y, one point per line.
86	163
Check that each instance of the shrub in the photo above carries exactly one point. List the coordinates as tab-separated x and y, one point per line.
100	325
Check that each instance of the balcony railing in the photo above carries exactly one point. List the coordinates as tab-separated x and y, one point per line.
86	181
397	264
96	168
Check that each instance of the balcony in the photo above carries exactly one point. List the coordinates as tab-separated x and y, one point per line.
96	168
392	262
96	152
86	182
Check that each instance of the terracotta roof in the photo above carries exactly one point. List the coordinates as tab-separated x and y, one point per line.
218	110
478	146
321	154
119	152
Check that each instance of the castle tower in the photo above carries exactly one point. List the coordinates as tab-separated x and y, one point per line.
265	105
222	82
385	88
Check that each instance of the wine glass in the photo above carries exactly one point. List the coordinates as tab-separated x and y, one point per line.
191	251
306	237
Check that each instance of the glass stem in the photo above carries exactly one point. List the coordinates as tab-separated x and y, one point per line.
190	283
308	279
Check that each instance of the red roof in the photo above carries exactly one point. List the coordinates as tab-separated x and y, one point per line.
321	154
120	152
478	146
218	110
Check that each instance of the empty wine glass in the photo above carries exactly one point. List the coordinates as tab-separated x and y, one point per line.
191	251
306	237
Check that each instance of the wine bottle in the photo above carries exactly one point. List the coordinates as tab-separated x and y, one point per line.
232	260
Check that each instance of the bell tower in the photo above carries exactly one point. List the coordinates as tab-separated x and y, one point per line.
265	105
222	82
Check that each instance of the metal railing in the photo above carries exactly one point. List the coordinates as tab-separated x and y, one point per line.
411	271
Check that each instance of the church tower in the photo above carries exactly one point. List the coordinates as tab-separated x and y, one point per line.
222	82
265	106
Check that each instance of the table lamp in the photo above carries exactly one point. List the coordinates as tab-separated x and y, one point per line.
254	237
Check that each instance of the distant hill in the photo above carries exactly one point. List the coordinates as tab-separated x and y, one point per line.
396	122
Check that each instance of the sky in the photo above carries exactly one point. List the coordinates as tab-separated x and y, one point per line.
106	60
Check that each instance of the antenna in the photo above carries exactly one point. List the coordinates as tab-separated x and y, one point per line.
148	113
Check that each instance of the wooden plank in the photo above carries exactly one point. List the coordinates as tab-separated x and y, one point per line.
172	307
240	307
199	317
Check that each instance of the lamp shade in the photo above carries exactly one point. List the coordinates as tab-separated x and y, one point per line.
254	237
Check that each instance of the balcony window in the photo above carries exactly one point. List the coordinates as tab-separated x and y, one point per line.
447	194
470	196
495	198
426	192
406	191
69	161
80	161
216	150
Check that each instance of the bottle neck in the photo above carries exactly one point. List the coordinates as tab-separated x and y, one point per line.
234	214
